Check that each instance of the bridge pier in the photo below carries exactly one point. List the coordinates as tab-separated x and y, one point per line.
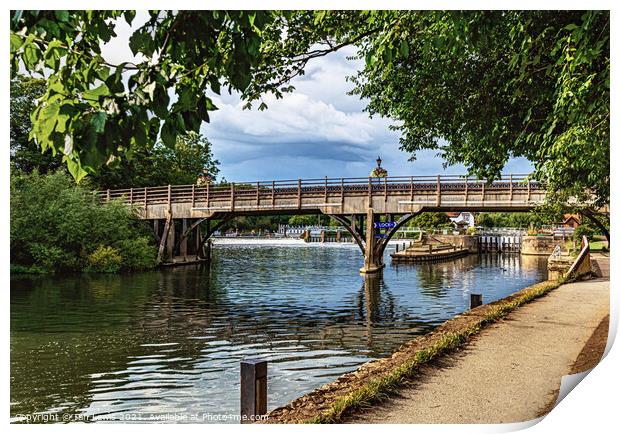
373	257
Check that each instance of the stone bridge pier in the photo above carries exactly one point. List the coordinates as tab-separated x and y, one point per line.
369	238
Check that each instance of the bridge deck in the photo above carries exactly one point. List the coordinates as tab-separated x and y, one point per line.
334	196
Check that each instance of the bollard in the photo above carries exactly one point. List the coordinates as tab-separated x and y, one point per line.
253	389
475	300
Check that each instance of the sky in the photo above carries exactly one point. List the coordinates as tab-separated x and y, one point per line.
316	131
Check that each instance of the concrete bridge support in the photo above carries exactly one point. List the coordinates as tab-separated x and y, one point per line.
363	231
373	256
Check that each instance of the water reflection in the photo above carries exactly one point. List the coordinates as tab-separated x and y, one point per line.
172	340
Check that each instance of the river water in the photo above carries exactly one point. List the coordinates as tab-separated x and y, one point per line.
167	343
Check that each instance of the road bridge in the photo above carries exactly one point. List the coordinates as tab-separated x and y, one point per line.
180	213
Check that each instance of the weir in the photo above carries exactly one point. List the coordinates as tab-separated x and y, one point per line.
186	216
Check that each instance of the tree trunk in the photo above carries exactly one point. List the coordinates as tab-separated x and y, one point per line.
598	223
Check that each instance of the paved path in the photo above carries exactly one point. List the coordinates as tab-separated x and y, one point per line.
511	371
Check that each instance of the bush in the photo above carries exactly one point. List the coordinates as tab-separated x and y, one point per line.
104	259
137	254
582	230
471	230
57	225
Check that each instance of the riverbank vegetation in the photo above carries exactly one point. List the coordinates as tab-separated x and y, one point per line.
58	226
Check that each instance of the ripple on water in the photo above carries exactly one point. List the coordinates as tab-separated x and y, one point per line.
171	340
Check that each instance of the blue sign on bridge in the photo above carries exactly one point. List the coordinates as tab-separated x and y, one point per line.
384	225
380	235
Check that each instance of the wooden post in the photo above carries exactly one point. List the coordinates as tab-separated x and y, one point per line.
198	240
232	196
369	192
183	245
131	196
411	187
208	188
258	195
170	240
253	389
145	200
108	196
511	187
193	195
298	193
483	184
341	194
466	189
385	191
438	190
528	189
169	196
325	191
273	193
475	300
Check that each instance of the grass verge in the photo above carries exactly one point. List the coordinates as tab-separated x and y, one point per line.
377	390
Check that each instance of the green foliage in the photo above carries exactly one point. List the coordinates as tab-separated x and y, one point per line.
482	86
104	259
25	154
303	220
430	220
537	218
138	253
584	230
56	225
161	165
93	110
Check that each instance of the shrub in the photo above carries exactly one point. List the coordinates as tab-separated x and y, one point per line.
137	254
582	230
55	224
104	259
470	230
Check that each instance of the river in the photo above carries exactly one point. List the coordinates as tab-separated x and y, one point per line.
170	341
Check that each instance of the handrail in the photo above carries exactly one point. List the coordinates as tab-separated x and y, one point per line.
583	254
232	190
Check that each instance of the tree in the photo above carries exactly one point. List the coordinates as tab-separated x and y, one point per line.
93	111
59	226
481	87
161	165
430	220
26	156
478	86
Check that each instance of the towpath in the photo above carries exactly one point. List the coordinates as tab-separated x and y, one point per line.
512	371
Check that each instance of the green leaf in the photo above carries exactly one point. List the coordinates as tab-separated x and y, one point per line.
94	94
168	134
404	48
98	121
62	16
16	42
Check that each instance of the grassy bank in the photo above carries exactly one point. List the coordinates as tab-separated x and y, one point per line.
379	389
381	378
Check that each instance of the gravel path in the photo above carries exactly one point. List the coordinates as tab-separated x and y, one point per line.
511	371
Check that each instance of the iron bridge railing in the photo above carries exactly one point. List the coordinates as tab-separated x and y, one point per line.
146	196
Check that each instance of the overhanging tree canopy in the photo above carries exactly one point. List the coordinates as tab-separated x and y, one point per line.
479	87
